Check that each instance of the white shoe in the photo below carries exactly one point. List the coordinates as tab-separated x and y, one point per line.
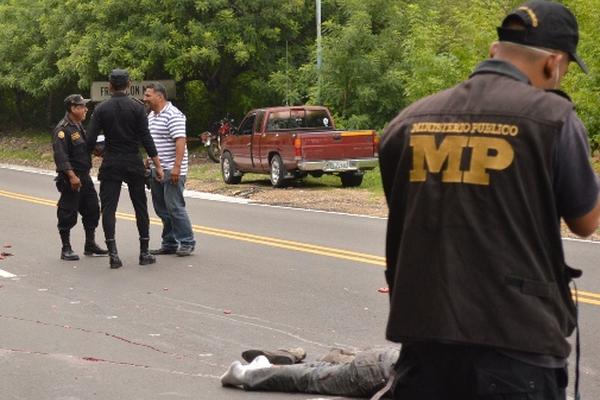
234	376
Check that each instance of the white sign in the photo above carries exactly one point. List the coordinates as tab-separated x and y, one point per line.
100	91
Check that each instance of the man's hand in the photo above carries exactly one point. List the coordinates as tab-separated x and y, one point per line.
75	182
175	172
160	175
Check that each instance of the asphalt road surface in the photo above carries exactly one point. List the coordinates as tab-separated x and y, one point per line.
261	277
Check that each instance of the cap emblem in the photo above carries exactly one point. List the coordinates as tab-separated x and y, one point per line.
534	18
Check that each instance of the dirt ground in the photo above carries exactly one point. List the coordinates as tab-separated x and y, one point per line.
258	188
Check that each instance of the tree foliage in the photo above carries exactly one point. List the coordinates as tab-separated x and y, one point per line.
228	56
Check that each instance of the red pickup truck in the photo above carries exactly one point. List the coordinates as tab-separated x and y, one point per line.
292	142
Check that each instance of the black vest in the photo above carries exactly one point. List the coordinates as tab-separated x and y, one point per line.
474	249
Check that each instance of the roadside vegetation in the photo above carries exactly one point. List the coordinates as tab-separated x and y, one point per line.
228	57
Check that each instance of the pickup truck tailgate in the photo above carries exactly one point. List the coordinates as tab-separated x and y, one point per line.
336	145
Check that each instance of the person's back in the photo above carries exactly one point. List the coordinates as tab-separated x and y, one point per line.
477	179
124	125
474	208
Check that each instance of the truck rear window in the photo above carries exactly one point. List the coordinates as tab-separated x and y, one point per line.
299	119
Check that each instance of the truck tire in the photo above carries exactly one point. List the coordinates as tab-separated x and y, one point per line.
351	179
278	172
228	170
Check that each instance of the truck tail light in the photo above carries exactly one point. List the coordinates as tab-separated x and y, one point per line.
375	144
298	148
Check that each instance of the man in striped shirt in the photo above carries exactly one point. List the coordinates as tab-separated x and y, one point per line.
167	127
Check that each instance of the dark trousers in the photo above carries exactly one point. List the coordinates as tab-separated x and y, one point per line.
110	190
84	202
449	372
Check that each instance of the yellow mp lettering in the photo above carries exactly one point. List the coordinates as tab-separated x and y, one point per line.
487	154
427	157
482	160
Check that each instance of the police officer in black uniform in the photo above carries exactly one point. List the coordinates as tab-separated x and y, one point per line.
73	164
477	179
124	124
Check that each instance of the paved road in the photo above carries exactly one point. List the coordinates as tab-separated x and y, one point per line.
261	277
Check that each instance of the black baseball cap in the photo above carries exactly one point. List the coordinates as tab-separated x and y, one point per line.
547	24
118	77
75	100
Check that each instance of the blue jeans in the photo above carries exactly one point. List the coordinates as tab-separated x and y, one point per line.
169	205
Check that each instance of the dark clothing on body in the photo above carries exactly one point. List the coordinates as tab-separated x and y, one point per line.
70	153
470	176
477	178
124	124
435	371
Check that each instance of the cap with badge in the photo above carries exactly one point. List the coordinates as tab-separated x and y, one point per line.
547	24
75	100
118	77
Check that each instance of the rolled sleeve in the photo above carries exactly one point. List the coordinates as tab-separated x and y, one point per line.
577	186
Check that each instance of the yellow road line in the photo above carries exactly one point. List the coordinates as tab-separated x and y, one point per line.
247	237
584	297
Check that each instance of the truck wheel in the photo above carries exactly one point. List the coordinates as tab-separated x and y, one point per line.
277	171
228	170
351	179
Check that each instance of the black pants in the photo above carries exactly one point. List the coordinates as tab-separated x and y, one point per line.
110	190
450	372
84	202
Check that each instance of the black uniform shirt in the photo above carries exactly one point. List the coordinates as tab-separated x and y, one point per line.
69	145
576	186
124	124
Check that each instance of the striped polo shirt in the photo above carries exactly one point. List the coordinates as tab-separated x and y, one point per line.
166	126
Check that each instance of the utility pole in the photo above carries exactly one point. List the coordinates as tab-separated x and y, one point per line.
319	52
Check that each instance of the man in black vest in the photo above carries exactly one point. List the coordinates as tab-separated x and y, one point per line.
124	124
477	178
77	192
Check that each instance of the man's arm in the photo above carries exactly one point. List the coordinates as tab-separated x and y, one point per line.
93	131
586	225
60	145
577	187
179	153
176	126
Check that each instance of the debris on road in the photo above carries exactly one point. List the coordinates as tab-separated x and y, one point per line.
227	311
383	290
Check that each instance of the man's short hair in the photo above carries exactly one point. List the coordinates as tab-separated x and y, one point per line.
158	87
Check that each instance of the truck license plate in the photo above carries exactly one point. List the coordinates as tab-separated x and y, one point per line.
338	165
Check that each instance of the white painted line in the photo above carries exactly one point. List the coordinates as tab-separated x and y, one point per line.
6	274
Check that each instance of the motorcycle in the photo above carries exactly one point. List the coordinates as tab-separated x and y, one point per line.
213	137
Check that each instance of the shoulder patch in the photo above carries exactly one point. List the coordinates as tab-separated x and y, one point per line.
75	136
61	135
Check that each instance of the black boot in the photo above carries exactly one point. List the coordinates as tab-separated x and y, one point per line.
145	256
115	261
66	253
91	248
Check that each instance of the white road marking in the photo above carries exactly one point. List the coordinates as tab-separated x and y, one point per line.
6	274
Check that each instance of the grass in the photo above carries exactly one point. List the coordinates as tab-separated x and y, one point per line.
26	146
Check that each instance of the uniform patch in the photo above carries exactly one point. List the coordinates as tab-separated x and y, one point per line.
61	135
75	136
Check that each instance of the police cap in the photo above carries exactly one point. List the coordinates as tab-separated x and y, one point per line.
75	100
